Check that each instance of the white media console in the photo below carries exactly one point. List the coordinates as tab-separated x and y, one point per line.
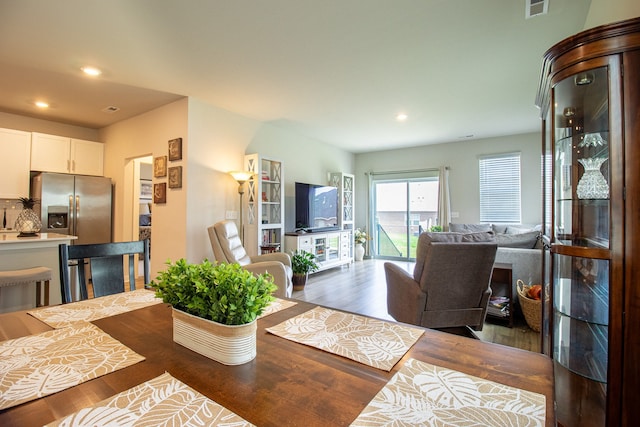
331	248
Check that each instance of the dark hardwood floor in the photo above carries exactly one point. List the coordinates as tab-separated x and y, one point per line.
361	288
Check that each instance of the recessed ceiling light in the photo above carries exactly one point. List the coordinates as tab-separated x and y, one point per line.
41	104
401	117
91	71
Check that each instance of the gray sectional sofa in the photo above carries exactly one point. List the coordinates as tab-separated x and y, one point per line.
519	245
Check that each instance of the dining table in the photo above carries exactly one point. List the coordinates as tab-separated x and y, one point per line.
287	384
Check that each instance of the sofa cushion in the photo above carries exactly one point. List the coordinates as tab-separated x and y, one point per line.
486	236
469	228
526	240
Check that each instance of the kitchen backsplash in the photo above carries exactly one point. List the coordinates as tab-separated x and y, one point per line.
10	210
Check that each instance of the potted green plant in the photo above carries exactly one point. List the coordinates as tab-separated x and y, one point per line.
215	307
302	263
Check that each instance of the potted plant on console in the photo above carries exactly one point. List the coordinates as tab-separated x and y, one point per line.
215	307
302	263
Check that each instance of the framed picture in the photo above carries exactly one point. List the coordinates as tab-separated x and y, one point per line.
175	149
175	177
160	192
146	189
160	166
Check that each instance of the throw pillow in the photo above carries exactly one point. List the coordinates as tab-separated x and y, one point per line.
523	240
469	228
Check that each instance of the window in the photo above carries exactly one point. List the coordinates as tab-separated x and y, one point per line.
500	188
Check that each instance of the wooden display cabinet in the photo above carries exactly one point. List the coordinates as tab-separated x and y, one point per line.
589	102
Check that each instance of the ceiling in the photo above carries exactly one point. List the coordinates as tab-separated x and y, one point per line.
334	70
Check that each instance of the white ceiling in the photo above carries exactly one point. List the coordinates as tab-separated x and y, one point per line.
334	70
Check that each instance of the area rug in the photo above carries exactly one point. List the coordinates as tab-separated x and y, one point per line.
369	341
60	316
38	365
427	395
162	401
277	305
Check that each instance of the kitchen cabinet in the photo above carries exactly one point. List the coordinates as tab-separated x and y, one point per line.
51	153
589	100
15	149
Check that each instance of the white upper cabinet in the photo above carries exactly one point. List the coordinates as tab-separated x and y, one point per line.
87	157
50	153
15	147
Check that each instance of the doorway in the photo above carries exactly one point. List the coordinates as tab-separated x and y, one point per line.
403	208
140	172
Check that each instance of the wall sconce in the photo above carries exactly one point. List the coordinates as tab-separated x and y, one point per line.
241	177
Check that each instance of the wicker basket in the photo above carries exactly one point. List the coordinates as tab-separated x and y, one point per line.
531	308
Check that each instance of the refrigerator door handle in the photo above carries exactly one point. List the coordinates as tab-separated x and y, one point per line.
72	219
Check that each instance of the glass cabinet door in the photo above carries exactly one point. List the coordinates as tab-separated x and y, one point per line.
581	174
580	248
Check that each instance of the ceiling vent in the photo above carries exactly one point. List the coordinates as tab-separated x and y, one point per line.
536	7
110	109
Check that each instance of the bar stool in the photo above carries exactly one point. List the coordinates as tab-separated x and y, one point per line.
26	276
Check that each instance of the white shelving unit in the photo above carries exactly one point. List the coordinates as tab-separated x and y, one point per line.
345	183
264	203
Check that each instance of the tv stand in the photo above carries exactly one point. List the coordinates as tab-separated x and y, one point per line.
332	248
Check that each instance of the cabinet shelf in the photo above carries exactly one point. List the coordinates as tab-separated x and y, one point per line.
581	347
588	302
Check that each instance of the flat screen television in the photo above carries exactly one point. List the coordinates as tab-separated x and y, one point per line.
316	207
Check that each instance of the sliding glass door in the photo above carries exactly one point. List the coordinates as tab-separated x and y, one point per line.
403	208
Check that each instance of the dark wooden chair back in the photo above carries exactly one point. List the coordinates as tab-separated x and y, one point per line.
106	267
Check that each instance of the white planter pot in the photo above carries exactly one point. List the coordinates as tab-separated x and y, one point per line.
227	344
359	252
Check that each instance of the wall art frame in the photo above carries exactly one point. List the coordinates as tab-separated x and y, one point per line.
175	177
175	149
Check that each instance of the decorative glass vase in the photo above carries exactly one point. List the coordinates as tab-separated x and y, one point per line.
28	223
592	184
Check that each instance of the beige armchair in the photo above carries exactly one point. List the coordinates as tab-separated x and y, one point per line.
449	287
227	247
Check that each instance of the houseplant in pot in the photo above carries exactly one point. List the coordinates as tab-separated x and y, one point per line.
302	263
215	307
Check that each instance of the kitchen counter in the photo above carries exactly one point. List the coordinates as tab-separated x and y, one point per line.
26	252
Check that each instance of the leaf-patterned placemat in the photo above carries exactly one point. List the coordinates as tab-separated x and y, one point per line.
366	340
277	305
38	365
428	395
162	401
60	316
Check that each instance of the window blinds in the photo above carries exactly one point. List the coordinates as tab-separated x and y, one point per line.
500	188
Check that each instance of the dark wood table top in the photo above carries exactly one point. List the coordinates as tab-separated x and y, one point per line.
286	384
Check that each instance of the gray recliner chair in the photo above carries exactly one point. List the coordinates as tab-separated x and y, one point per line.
450	285
227	247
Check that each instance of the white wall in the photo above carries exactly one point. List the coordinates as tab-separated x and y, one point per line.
145	135
603	12
462	158
304	160
214	143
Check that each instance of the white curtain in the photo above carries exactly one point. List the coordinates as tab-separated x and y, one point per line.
444	201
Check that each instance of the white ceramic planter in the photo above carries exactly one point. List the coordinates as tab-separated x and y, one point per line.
359	252
227	344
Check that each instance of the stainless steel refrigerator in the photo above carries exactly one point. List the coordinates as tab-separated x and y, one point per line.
77	205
